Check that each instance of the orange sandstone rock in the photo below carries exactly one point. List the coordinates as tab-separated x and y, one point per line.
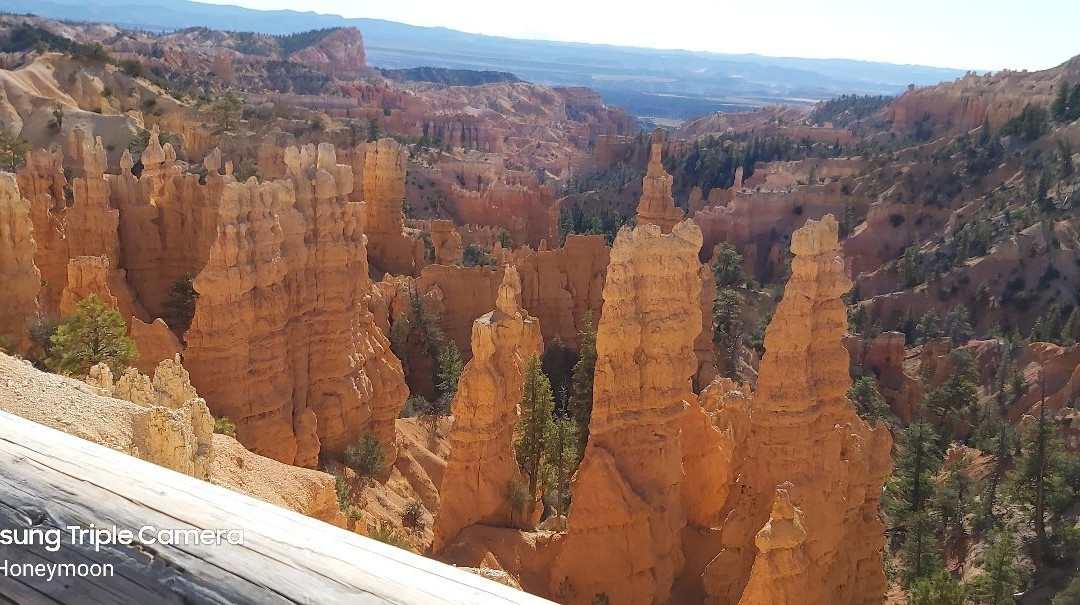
447	242
656	206
383	192
42	182
280	342
560	286
155	342
20	277
628	510
482	461
801	406
87	275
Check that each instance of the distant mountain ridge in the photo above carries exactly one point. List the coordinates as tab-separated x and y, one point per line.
663	83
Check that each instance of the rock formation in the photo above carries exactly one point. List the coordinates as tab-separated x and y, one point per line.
560	286
155	342
482	461
20	277
446	241
340	52
42	182
167	425
383	193
656	206
152	428
708	366
783	556
459	295
308	492
87	275
630	494
168	223
801	406
280	342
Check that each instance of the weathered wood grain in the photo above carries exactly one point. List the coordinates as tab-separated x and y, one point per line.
50	479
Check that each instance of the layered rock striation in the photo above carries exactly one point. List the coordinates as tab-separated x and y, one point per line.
631	494
561	286
801	406
281	341
19	275
382	189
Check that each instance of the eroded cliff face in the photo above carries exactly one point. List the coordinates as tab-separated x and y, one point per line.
41	181
482	461
561	286
168	221
18	274
628	506
801	406
281	341
340	53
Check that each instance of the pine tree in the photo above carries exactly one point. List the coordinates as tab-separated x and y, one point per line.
920	555
910	265
1070	333
581	383
957	326
562	458
95	334
1041	477
12	150
1060	106
960	391
1001	571
1000	445
180	306
951	499
534	425
1065	156
227	113
727	331
869	403
928	328
1069	596
447	374
937	589
918	459
728	267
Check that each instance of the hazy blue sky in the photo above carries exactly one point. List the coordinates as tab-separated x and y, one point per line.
974	34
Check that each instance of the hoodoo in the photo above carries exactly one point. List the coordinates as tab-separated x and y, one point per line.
801	406
482	461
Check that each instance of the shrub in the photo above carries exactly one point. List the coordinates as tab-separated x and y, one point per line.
132	67
415	406
386	533
225	426
341	490
474	256
412	517
42	328
365	457
517	493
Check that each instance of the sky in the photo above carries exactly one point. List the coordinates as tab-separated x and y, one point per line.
983	35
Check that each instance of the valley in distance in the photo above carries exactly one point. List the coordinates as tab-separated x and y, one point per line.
347	308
